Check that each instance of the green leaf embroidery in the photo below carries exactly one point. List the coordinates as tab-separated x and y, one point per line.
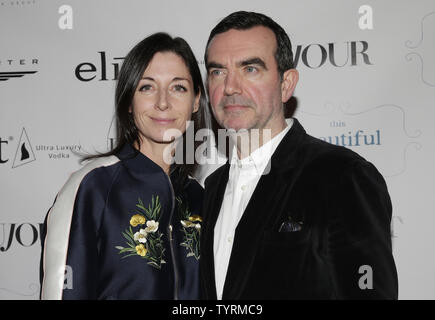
191	227
152	249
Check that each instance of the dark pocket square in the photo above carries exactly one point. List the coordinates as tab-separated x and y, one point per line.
290	226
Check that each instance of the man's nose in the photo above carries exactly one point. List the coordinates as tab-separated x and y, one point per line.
162	101
232	84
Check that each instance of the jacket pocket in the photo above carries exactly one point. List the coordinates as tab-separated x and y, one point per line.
287	239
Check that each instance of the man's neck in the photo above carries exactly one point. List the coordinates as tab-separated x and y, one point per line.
250	140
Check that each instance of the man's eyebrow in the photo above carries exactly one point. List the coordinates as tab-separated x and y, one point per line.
247	62
216	65
250	61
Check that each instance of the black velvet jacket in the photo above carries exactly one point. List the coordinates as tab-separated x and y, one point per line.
317	227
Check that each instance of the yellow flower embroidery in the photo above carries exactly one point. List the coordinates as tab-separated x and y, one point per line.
195	218
137	219
143	236
141	250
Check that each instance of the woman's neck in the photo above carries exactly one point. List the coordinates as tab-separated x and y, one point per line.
159	153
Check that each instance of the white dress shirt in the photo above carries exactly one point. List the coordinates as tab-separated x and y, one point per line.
243	177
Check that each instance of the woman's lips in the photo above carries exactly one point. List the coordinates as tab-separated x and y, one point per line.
162	121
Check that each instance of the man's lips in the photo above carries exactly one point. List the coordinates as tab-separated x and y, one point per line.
234	107
162	120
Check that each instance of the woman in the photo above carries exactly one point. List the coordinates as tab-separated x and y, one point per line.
126	226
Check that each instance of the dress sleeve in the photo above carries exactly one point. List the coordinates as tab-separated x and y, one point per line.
70	252
359	235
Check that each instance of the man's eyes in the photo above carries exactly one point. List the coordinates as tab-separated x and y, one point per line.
251	69
247	69
216	72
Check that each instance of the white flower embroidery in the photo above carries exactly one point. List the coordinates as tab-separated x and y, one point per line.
152	226
141	236
187	223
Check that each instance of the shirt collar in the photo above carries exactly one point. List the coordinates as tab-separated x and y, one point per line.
260	158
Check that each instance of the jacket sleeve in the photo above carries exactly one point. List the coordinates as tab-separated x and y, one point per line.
70	266
359	235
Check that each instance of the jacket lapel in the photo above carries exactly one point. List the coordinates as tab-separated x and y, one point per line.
258	211
212	204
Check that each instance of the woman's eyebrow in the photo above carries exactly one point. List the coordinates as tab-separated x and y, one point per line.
180	79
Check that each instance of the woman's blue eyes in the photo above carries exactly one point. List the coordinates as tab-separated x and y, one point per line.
145	87
178	88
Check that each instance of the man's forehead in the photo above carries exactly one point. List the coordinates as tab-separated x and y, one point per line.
242	44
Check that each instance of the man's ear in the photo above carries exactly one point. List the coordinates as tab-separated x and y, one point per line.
288	84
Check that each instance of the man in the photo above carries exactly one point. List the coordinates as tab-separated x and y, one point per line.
297	218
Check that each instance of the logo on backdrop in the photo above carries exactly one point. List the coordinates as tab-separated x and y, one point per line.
27	151
17	68
106	68
21	234
17	4
111	135
386	144
347	54
423	50
24	153
350	53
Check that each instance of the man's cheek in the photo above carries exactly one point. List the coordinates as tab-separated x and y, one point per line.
215	99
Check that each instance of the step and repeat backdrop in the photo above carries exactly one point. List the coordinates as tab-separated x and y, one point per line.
367	82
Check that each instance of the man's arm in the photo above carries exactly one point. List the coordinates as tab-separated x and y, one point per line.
359	235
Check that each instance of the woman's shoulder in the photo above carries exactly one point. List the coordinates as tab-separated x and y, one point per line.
98	169
101	164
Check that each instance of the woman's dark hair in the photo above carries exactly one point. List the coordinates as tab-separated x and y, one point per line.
243	20
133	67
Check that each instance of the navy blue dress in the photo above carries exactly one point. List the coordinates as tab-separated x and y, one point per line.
121	228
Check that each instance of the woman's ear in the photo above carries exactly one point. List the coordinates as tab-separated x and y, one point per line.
196	103
289	80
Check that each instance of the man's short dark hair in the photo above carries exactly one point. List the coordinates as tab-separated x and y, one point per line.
243	20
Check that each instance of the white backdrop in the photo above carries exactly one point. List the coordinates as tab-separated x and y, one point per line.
367	81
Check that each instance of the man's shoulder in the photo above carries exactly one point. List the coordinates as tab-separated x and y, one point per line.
319	159
319	152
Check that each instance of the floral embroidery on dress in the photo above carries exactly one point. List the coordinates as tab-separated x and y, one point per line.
191	228
143	236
